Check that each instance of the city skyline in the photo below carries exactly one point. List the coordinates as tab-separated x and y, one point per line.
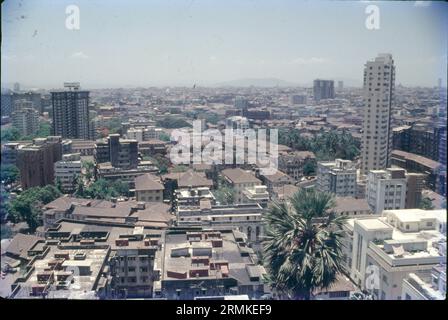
208	44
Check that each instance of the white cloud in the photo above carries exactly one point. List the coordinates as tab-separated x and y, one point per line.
79	55
306	61
422	3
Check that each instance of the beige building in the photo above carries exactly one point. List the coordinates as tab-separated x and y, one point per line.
240	179
148	188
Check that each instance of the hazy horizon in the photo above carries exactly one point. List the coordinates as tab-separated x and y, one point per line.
182	43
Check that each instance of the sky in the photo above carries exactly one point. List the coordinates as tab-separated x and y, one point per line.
175	42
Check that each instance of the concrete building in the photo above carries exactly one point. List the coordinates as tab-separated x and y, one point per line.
66	171
201	263
256	194
338	177
239	180
36	161
148	188
193	196
379	88
237	123
393	188
386	250
293	162
144	134
25	119
245	217
121	153
425	285
71	113
296	99
9	153
323	89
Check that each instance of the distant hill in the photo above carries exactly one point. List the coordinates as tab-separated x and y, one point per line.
256	82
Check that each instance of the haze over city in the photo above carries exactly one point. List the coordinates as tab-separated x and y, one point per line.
212	43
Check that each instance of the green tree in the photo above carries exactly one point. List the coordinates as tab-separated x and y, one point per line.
27	205
303	248
164	137
10	134
426	204
225	195
309	168
9	173
171	122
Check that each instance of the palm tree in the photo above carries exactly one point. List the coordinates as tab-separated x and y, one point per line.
302	246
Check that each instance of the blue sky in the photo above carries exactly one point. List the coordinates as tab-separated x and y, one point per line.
143	43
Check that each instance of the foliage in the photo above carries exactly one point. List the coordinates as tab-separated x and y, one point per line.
102	189
9	173
426	204
164	137
10	134
27	206
13	134
303	248
309	168
325	145
225	194
161	162
172	123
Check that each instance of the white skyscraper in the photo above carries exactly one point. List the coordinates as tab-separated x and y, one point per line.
379	87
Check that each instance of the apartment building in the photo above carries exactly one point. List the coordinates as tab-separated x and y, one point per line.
247	218
393	188
121	153
66	171
293	162
240	179
144	134
338	177
148	188
379	89
425	285
386	250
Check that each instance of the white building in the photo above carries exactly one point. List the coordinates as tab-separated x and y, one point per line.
66	171
379	87
386	189
425	285
144	134
338	177
240	179
25	118
386	250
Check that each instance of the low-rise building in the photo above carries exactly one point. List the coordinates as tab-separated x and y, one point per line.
239	180
148	188
201	263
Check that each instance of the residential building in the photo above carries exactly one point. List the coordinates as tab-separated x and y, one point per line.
425	285
144	134
26	119
205	263
298	99
292	163
276	180
36	161
193	196
245	217
71	113
67	171
148	188
387	249
338	177
121	153
239	180
323	89
379	88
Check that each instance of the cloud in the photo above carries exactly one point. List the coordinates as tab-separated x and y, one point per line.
306	61
422	3
79	55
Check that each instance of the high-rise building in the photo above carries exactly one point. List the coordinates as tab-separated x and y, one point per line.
17	87
71	112
26	121
121	153
340	86
298	99
394	188
379	87
338	177
36	161
323	89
